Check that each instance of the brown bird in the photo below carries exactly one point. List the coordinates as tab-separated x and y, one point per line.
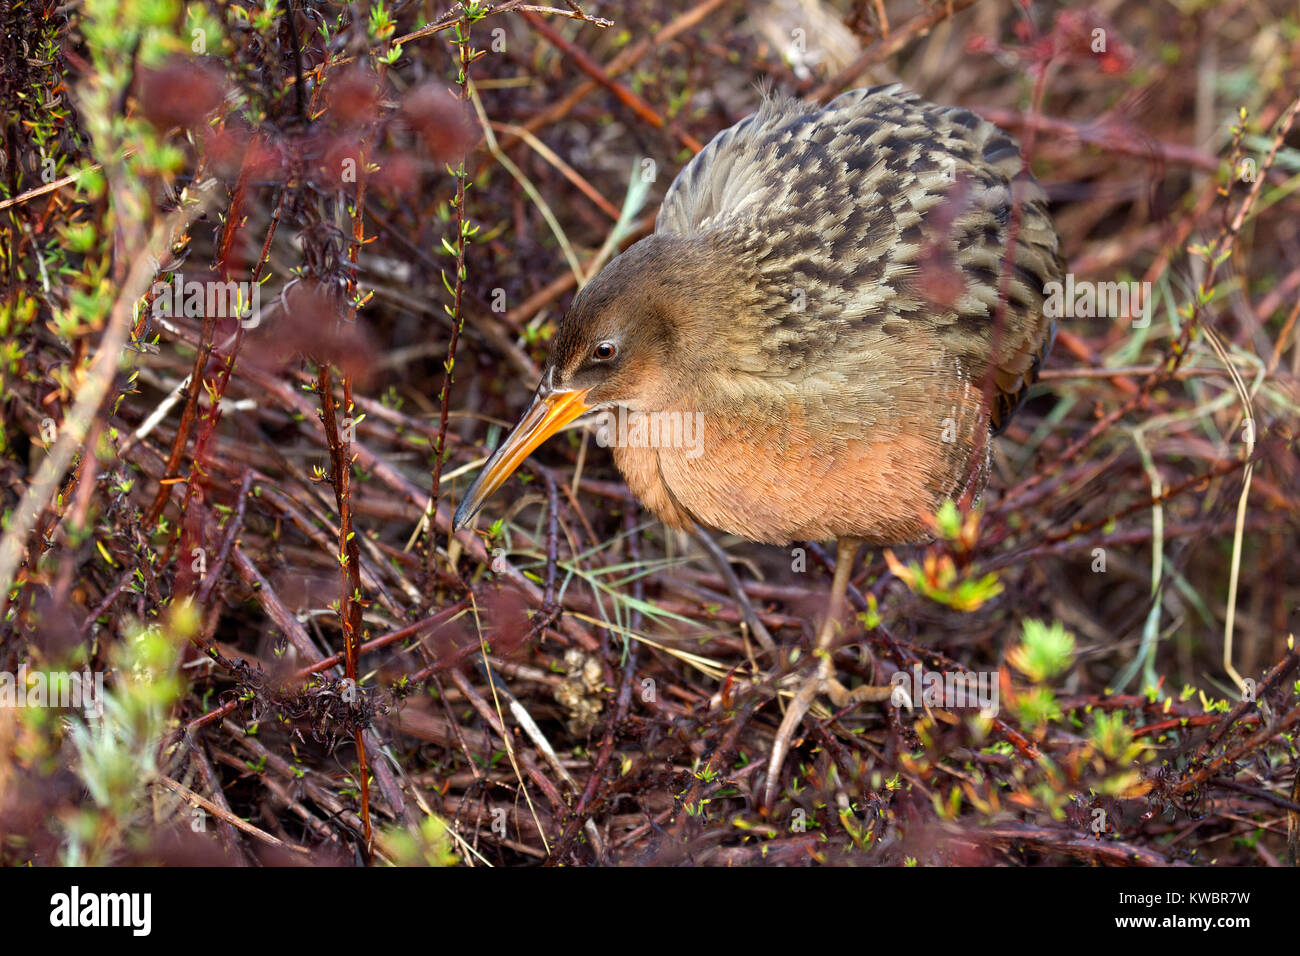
847	300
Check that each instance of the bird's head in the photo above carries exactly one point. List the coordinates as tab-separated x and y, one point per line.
631	338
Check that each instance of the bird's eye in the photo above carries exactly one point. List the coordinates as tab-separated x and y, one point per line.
605	351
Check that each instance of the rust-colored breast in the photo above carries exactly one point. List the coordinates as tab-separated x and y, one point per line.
790	476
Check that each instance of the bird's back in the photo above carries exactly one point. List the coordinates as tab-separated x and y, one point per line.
890	210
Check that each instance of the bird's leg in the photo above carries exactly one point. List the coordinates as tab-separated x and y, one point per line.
824	680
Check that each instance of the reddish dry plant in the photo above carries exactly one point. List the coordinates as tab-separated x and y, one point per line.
275	470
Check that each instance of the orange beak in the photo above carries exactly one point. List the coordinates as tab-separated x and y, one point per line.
544	418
